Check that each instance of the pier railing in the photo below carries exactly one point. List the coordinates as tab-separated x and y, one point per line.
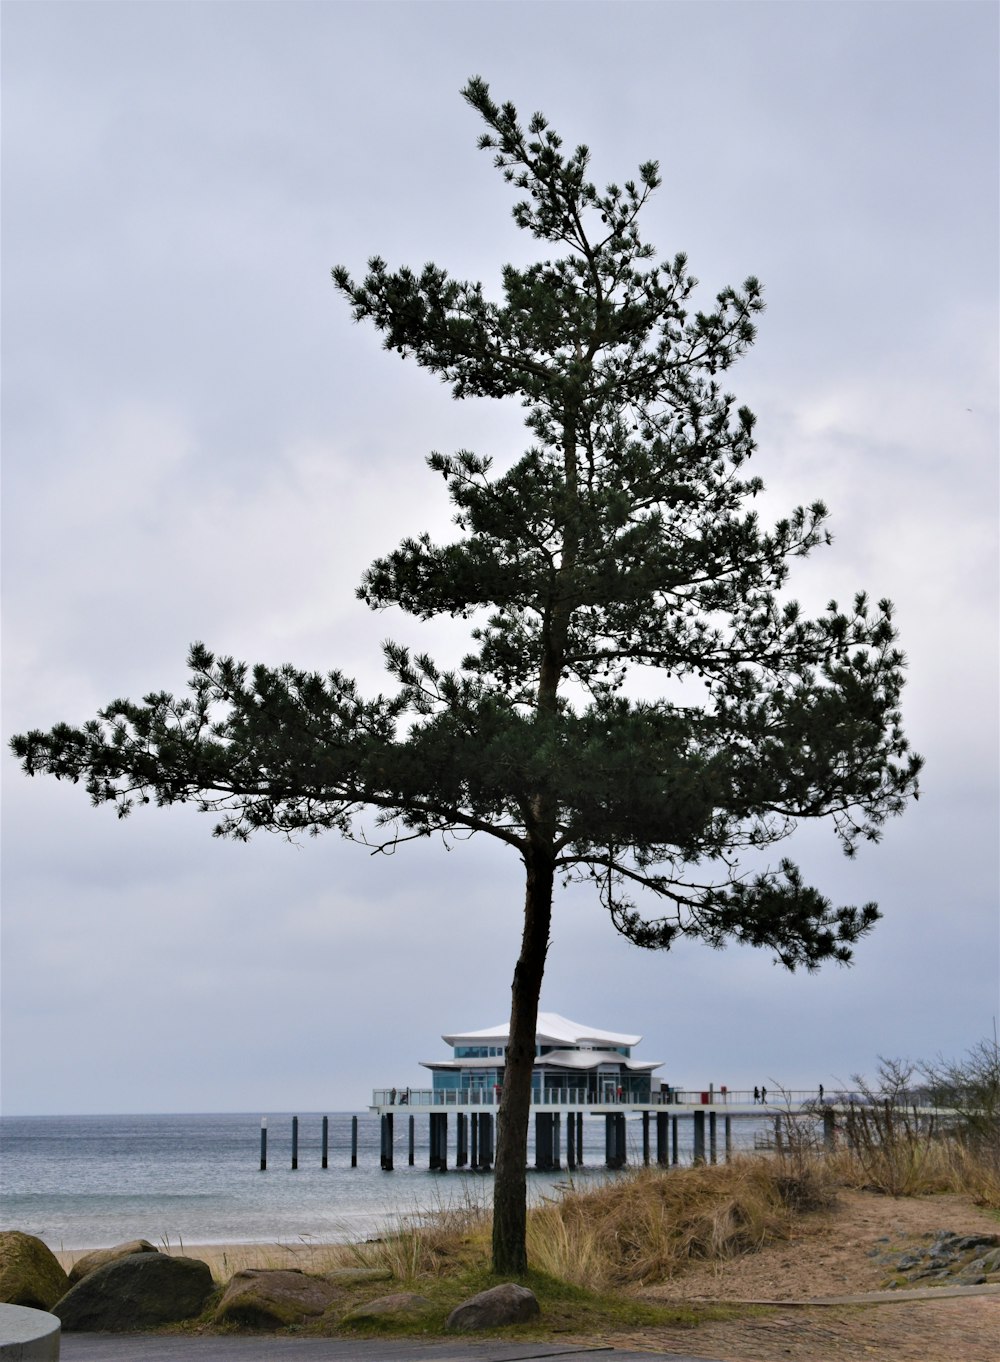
774	1099
423	1098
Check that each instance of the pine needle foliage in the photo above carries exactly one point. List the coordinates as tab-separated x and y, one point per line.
624	539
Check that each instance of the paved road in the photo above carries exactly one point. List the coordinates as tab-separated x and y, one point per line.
161	1348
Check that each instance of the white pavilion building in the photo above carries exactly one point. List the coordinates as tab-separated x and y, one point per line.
570	1058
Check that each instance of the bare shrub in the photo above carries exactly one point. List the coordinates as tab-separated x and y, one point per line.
970	1089
887	1133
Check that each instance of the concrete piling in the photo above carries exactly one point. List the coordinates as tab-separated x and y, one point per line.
698	1120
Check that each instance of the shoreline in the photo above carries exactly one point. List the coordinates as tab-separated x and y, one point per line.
231	1257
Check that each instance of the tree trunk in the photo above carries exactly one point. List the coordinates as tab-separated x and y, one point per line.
510	1208
510	1256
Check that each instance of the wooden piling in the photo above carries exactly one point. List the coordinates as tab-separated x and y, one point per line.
412	1123
295	1143
325	1158
829	1130
387	1142
354	1142
263	1144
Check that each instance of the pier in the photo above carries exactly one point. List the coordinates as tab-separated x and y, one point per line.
558	1123
647	1131
585	1071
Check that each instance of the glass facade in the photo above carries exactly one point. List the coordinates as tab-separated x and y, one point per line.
470	1080
607	1083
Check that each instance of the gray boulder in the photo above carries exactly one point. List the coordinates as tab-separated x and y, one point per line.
400	1306
274	1298
30	1273
137	1292
91	1261
504	1304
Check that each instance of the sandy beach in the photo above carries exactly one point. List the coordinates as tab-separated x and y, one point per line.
227	1259
830	1254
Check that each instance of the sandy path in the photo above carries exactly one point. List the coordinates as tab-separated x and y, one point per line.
831	1255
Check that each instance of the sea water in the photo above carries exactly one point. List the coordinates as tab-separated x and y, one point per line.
92	1181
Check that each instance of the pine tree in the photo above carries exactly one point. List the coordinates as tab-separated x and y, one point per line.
623	538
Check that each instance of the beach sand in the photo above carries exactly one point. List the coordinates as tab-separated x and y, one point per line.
829	1254
226	1259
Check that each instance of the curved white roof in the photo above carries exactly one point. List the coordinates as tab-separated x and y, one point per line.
594	1059
551	1029
582	1060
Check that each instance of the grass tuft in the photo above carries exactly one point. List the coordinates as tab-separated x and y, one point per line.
644	1226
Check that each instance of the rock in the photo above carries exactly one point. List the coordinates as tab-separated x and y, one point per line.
137	1292
951	1259
357	1276
400	1306
90	1261
273	1298
976	1241
30	1273
504	1304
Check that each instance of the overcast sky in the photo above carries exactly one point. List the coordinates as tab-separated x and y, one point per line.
198	443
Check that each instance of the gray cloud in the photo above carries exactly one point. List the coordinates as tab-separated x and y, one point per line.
198	443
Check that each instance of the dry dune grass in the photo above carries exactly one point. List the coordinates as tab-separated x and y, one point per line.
646	1225
445	1238
922	1168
